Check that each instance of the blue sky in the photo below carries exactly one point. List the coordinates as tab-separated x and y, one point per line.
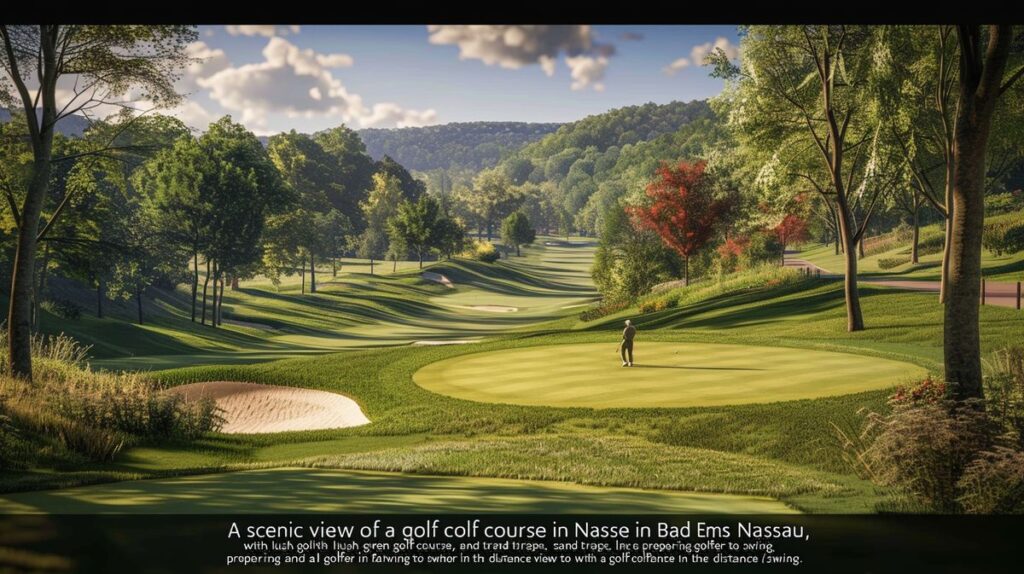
276	78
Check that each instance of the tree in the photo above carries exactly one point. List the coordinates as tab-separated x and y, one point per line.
516	230
682	209
103	64
792	229
451	237
378	208
801	88
178	203
417	225
491	198
981	83
144	260
630	260
353	171
411	187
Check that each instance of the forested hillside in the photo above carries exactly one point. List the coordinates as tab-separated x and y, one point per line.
471	145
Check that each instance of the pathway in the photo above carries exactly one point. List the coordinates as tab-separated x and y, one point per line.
999	294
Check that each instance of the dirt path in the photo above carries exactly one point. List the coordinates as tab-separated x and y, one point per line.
999	294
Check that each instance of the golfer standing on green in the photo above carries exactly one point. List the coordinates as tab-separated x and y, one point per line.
627	343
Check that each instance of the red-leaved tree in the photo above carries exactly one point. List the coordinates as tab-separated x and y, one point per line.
792	229
682	209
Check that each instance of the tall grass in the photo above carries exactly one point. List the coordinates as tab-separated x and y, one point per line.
95	414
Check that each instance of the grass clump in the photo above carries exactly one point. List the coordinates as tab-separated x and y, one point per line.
71	412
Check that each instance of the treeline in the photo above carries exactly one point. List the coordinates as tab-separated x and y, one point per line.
453	147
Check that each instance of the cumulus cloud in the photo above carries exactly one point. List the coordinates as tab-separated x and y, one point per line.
299	83
587	71
265	30
701	51
515	46
206	61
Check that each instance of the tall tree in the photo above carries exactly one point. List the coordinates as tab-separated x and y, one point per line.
802	87
102	64
354	171
682	209
379	207
517	231
983	80
491	199
417	225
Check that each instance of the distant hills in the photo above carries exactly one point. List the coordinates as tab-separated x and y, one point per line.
468	145
71	126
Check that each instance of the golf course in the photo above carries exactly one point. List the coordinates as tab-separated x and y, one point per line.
731	405
680	269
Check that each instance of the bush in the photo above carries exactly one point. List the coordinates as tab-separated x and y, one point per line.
482	251
62	308
953	457
659	304
761	248
891	262
1003	237
903	233
1004	390
1000	203
96	414
931	244
603	309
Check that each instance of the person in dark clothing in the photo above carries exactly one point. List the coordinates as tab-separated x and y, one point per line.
627	344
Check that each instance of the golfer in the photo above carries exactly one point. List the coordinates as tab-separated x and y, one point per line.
627	343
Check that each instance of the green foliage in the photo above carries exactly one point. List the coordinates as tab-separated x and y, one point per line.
418	225
472	145
491	198
892	262
630	261
1003	236
516	231
483	251
763	247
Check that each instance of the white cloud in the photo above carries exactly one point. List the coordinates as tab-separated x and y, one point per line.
514	46
675	66
265	30
701	51
299	83
194	115
587	71
207	62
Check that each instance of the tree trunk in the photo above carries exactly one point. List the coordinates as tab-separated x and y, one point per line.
213	304
860	248
371	266
686	271
138	303
195	282
334	266
234	282
206	283
917	233
220	302
302	272
312	272
419	255
980	80
395	266
100	295
490	230
517	251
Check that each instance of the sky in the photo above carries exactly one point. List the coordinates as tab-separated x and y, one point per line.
308	78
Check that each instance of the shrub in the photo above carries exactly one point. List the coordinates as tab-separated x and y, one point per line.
62	308
891	262
761	248
1004	390
931	244
994	483
603	309
1000	203
902	234
953	457
482	251
1003	237
659	304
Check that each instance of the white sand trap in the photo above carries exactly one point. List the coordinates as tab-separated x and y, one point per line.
448	342
250	408
438	278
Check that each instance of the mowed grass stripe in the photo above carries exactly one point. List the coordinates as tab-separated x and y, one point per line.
664	375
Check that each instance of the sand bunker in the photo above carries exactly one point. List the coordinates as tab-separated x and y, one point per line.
250	408
438	278
489	308
442	342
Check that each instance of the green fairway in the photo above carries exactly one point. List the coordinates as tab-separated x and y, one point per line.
318	490
664	375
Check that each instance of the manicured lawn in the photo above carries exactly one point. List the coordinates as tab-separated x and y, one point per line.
664	375
319	490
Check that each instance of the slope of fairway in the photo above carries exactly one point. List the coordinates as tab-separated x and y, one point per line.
664	375
317	490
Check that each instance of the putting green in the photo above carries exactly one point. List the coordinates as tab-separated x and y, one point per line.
664	375
323	490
